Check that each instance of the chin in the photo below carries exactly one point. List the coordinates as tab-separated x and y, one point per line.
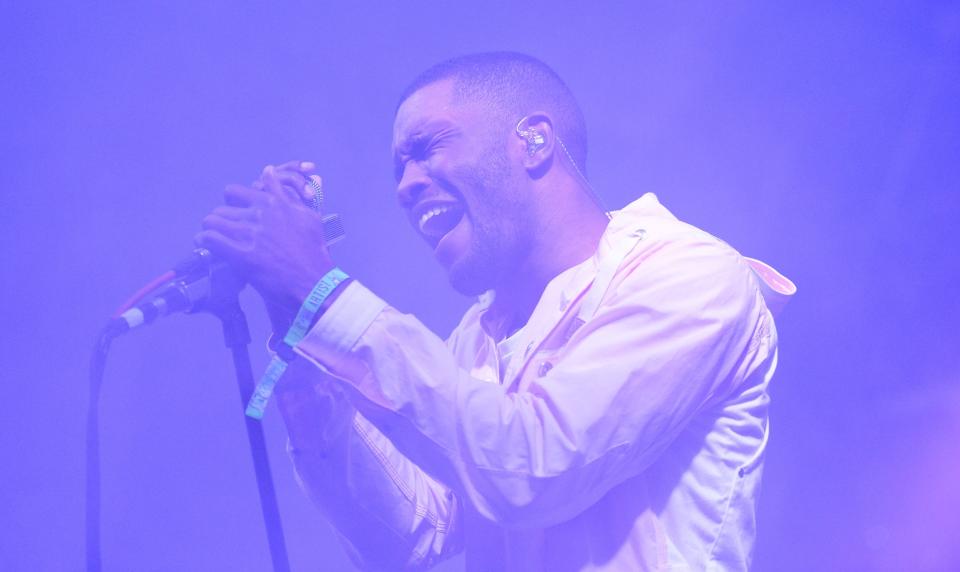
469	278
467	286
485	265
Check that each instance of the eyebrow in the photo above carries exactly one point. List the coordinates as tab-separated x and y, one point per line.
404	149
416	138
422	134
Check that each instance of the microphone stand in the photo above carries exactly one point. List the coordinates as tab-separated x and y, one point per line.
224	303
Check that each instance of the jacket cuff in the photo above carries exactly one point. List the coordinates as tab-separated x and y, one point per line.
342	324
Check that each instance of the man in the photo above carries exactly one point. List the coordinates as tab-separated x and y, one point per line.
602	406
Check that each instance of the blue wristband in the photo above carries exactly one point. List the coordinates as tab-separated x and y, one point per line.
301	325
261	395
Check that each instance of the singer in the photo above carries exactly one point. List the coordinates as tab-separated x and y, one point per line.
602	406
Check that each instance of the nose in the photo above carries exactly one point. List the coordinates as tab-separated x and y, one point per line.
412	184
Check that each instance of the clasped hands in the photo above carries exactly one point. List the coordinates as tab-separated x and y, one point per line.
268	232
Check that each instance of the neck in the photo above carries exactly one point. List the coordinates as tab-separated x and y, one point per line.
569	232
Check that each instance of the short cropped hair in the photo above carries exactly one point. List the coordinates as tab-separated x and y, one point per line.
513	85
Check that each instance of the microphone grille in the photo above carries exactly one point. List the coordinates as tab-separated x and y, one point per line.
317	185
333	230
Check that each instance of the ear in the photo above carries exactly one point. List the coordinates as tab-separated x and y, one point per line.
536	142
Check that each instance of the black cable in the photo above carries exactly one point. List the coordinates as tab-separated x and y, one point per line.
98	362
222	302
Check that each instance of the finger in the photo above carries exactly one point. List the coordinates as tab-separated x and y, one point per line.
302	167
233	213
288	180
218	243
239	196
297	182
273	185
225	226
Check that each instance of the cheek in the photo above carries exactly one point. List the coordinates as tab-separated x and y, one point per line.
446	163
435	167
454	180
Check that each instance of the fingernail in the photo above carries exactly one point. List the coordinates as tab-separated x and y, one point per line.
307	166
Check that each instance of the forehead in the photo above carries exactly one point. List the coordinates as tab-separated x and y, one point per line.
429	106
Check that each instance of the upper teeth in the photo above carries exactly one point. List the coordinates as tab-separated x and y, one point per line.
430	214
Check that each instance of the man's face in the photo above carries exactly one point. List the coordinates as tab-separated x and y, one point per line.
459	187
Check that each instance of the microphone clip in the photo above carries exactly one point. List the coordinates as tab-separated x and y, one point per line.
201	284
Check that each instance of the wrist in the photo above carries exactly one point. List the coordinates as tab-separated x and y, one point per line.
281	319
314	305
302	324
286	298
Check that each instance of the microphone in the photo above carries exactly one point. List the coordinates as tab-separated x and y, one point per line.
189	287
194	279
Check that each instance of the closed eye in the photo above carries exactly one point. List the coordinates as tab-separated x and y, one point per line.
418	148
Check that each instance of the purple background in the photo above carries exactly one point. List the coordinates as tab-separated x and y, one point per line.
822	137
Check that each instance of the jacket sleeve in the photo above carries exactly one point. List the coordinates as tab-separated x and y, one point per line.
387	512
673	334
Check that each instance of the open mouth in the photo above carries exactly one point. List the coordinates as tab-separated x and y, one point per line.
438	220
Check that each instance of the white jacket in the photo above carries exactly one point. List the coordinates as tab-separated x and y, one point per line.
628	431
